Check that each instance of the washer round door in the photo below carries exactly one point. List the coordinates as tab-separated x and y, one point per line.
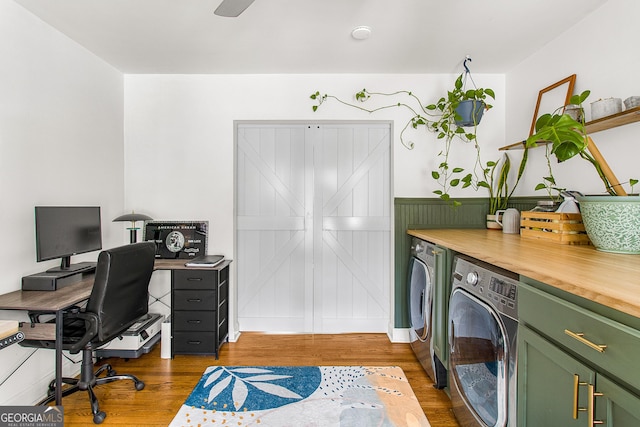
478	358
420	295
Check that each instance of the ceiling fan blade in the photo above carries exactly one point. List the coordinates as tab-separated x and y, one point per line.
232	8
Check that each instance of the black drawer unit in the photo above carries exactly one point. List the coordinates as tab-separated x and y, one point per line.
199	309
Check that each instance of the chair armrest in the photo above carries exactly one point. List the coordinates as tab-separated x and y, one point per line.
91	325
35	315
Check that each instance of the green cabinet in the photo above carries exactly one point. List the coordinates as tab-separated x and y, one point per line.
575	367
441	294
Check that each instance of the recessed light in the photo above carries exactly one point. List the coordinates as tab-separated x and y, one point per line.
361	33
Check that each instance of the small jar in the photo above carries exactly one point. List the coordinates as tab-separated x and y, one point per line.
574	111
545	206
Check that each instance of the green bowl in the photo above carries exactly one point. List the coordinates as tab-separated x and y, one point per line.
612	222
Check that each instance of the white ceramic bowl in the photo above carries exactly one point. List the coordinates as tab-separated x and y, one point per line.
632	102
605	107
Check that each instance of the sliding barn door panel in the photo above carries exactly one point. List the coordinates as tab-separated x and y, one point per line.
313	227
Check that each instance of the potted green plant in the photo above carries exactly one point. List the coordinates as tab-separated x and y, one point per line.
612	222
444	118
496	181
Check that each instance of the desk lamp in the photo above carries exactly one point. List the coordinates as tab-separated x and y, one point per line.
133	217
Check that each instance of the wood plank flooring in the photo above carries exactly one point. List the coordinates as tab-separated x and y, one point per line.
169	381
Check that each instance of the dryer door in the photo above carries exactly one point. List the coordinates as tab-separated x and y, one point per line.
478	360
420	299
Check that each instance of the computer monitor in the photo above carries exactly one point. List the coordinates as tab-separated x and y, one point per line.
63	231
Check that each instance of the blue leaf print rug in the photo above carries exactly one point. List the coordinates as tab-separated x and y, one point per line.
302	396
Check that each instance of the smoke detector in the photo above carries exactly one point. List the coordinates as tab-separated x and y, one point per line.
361	33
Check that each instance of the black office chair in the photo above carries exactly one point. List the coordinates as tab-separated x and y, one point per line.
119	298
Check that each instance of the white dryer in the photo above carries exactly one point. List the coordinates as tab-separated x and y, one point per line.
421	291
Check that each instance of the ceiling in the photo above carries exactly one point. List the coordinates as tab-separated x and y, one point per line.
312	36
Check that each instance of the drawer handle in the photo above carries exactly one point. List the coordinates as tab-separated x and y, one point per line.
194	279
195	322
194	342
194	300
580	337
592	403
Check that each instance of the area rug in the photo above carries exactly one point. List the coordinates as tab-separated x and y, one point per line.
302	396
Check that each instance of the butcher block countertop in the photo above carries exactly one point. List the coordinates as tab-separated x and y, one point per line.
610	279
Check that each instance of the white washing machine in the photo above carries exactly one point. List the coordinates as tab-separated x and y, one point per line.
420	286
483	331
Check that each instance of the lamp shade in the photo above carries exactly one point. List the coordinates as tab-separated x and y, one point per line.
133	217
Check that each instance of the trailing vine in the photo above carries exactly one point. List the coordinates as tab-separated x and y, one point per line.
441	118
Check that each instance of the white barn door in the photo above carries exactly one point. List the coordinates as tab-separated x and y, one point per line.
313	227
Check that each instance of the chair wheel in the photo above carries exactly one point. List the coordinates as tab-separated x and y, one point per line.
111	373
99	417
139	385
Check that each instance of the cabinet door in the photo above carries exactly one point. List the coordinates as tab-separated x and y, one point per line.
442	292
549	393
616	407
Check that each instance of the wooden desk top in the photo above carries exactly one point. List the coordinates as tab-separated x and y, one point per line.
178	264
610	279
78	292
48	300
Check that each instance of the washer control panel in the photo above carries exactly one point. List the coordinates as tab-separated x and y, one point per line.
493	285
422	250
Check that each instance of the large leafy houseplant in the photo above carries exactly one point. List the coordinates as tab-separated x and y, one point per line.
612	222
442	118
568	138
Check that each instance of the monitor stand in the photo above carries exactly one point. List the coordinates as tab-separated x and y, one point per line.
57	278
81	267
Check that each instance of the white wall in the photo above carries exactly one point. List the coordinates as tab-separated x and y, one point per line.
188	120
602	51
61	142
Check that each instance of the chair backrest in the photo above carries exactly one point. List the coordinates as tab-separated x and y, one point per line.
120	291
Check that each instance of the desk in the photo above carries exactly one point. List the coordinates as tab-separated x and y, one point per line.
51	301
57	301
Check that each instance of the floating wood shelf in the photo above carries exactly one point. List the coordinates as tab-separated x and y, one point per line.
615	120
609	122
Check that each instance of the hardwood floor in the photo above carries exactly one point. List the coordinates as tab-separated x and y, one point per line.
169	381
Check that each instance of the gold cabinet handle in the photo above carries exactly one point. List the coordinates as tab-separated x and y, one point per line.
580	337
592	404
576	385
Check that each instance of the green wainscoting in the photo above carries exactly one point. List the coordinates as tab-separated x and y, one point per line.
412	213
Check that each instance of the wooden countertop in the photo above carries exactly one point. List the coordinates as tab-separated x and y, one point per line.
610	279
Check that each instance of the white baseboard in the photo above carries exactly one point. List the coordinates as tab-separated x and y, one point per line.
399	335
233	336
